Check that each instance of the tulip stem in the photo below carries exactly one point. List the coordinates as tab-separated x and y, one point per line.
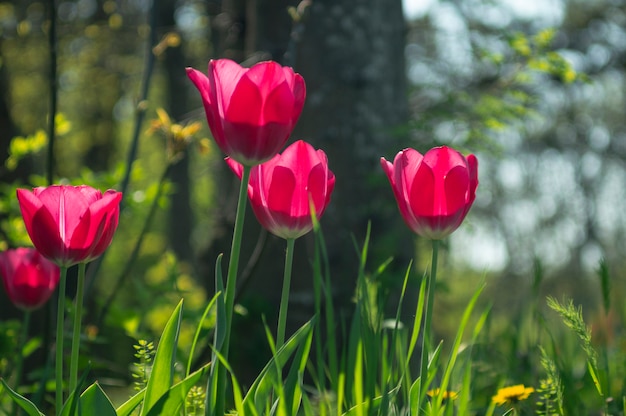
59	340
426	332
233	263
284	299
231	286
78	314
20	354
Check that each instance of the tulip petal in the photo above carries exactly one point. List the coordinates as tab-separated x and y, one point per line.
224	75
456	189
472	163
281	190
40	225
317	190
245	105
67	205
422	197
98	225
207	93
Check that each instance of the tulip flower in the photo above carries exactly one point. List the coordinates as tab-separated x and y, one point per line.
281	189
70	224
434	191
29	278
251	111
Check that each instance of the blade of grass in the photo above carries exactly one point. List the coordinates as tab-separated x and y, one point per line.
211	402
163	365
457	343
260	389
129	406
21	401
171	402
196	336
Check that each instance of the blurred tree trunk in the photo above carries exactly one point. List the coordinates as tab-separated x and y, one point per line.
351	55
8	131
180	213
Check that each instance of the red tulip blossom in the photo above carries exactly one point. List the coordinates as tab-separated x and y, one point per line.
251	111
434	191
70	224
29	278
283	189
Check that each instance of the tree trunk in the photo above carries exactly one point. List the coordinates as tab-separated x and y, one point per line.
351	55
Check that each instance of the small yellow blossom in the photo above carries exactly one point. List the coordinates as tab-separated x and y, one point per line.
177	136
512	394
447	395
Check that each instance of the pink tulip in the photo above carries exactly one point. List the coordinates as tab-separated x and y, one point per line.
70	224
29	278
251	111
435	191
282	189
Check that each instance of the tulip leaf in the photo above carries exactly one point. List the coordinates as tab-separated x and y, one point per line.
261	388
131	404
70	406
171	402
21	401
163	366
94	401
219	336
198	331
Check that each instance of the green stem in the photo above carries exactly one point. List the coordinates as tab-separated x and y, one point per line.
317	292
426	331
78	315
233	263
231	286
59	340
284	299
20	357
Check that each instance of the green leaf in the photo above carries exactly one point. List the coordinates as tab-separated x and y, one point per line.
131	404
198	331
218	336
72	403
174	398
260	390
457	343
94	401
163	366
24	403
293	390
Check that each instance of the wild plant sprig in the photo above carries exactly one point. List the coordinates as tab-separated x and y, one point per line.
195	401
144	353
550	389
573	318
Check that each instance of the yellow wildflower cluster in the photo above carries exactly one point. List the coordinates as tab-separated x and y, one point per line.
512	394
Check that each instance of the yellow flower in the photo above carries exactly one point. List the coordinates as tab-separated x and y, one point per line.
512	394
177	136
447	395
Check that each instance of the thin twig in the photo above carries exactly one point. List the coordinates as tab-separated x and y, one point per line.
94	267
135	253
